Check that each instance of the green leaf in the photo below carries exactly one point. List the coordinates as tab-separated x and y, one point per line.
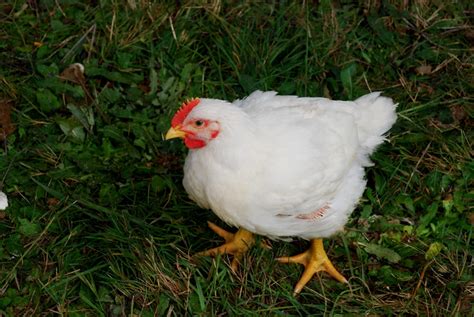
366	212
47	100
163	304
85	115
200	294
111	94
108	194
186	71
406	201
14	245
458	200
414	138
158	183
87	298
124	59
28	228
48	189
42	52
153	82
121	77
30	212
140	142
72	128
382	252
434	249
247	82
346	77
168	84
448	205
427	218
5	301
48	71
390	275
57	25
287	88
383	34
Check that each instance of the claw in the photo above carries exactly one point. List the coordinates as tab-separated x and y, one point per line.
228	236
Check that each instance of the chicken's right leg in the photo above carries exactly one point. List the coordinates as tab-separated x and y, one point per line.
235	243
314	260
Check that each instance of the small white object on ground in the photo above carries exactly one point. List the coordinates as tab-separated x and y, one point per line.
3	201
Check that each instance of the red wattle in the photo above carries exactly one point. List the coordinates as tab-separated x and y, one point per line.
194	143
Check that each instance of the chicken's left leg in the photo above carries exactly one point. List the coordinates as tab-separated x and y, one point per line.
235	243
314	259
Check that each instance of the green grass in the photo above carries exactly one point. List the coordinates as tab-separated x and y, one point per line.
98	222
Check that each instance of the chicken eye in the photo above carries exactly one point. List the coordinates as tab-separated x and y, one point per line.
199	123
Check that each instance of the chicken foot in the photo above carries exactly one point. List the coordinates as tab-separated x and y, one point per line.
314	259
235	243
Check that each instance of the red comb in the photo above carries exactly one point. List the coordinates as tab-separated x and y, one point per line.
183	112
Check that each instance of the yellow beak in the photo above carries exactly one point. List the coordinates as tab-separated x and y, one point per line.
175	133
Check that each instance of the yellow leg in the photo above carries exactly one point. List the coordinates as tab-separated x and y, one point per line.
235	243
314	259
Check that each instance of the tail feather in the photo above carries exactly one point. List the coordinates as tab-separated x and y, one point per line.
376	116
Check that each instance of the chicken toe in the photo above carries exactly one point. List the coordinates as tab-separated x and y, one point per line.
235	244
314	259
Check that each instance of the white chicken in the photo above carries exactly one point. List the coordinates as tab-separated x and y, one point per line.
280	166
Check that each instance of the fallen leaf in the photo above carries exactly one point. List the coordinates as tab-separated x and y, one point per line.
7	9
423	70
434	249
53	202
439	125
6	126
469	34
168	161
458	112
145	86
74	73
470	216
428	88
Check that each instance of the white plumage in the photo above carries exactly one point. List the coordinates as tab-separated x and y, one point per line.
284	166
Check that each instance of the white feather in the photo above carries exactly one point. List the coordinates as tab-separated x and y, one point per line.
278	159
